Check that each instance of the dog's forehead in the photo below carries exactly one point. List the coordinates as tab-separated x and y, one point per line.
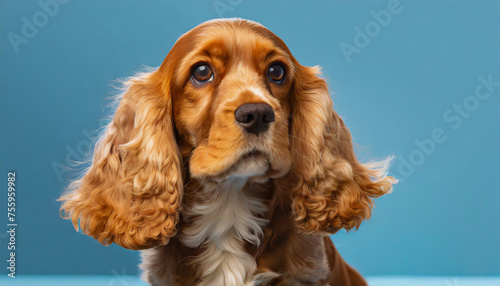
224	39
230	38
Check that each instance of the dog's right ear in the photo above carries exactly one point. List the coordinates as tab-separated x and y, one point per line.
131	194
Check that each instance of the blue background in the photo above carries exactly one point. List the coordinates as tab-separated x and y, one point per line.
442	219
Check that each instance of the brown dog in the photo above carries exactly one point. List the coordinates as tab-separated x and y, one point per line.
229	165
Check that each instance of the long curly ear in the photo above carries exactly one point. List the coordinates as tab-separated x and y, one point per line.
132	192
331	189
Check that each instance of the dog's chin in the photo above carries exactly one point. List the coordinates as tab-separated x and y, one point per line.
255	165
251	164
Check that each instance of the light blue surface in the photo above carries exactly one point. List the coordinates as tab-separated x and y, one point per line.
442	219
118	280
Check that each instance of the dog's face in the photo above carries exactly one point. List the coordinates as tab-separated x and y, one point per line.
231	101
228	100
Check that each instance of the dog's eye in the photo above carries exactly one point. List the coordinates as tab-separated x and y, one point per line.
276	73
202	74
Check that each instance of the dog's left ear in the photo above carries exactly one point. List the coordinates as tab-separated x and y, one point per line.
131	195
331	189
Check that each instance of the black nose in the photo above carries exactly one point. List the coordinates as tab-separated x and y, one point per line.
254	117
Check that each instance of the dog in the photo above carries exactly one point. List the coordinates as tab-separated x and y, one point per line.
228	165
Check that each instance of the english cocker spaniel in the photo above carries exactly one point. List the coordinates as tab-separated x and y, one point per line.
227	165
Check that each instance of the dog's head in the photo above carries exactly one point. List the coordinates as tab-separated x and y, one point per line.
229	100
230	83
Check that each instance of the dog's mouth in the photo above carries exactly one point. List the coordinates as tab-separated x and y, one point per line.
251	164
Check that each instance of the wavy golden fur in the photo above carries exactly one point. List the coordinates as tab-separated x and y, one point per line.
208	201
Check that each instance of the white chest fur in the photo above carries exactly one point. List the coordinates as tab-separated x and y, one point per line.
220	224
